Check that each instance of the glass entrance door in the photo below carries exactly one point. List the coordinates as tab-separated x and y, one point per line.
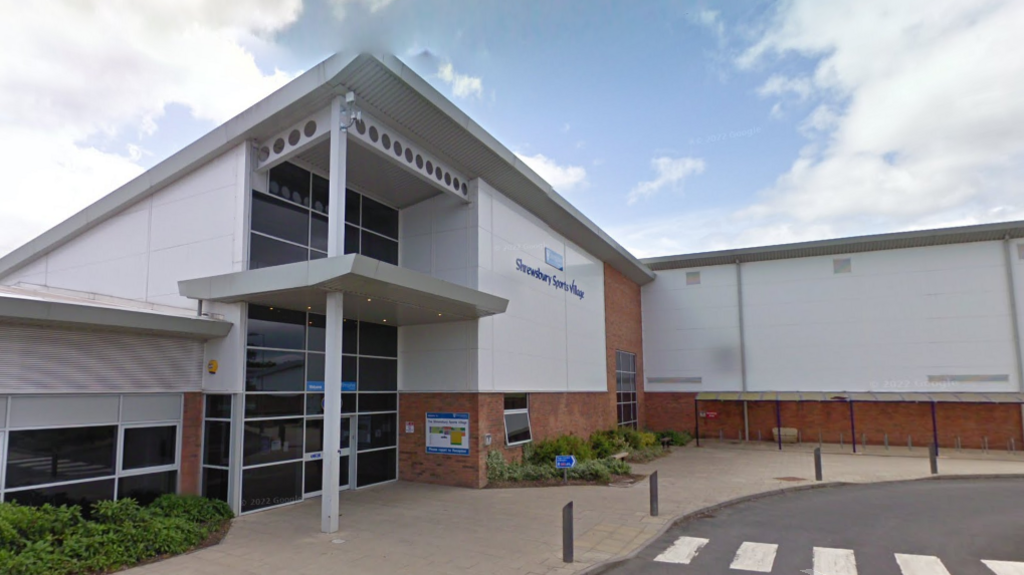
314	465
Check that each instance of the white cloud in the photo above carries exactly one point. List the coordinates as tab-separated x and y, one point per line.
918	114
669	172
710	19
340	7
562	178
462	85
105	71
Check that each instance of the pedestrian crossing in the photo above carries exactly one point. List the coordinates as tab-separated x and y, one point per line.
760	557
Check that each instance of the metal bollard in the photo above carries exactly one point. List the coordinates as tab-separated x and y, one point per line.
759	435
864	441
933	456
910	443
840	440
984	443
959	445
721	434
1013	445
817	464
739	435
654	494
887	442
567	533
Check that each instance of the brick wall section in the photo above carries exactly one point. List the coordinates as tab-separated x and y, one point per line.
971	422
191	443
415	464
624	331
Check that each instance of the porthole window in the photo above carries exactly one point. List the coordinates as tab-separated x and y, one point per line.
398	148
309	129
385	141
294	137
373	134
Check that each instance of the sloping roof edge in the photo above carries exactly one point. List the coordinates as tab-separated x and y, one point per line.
316	84
856	244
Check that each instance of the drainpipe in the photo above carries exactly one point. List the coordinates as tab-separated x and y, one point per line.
743	351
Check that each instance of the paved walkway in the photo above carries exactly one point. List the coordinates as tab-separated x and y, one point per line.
424	529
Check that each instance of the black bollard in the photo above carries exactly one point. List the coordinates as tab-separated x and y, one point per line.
654	494
567	533
817	464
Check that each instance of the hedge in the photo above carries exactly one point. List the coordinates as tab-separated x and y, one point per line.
50	540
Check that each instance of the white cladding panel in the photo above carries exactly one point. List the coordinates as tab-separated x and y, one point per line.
45	360
192	228
897	318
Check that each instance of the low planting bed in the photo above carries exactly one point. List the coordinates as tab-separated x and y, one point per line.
52	540
599	459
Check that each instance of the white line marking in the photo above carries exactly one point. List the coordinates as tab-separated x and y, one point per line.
921	565
755	557
1005	567
834	561
682	551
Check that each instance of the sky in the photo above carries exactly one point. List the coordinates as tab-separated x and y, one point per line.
677	127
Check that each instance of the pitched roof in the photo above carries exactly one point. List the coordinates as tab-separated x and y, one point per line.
388	89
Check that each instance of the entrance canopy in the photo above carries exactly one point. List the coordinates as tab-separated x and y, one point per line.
380	292
891	397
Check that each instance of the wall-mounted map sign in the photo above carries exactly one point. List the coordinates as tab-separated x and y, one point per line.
448	433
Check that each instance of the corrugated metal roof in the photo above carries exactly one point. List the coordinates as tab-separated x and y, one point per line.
863	397
894	241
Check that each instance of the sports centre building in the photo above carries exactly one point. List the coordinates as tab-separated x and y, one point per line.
352	283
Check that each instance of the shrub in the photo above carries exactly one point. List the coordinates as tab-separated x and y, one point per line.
590	470
678	437
544	452
21	524
192	508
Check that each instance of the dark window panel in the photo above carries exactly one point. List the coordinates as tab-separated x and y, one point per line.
378	374
348	370
218	406
279	219
314	435
291	182
276	327
265	252
352	207
315	474
321	196
517	427
377	430
270	441
351	240
146	488
149	446
274	371
378	339
43	456
215	483
315	255
257	405
316	332
378	402
315	404
318	233
378	248
375	467
315	365
271	485
81	494
348	403
216	443
350	336
516	401
379	218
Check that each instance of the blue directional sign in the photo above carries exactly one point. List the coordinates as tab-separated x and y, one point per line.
565	461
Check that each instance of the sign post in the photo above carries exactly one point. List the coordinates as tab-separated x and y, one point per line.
565	463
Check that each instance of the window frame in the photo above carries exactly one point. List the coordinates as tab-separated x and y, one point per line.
518	411
634	403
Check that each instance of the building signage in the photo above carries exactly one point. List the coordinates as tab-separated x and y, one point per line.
448	433
553	259
550	279
565	461
319	386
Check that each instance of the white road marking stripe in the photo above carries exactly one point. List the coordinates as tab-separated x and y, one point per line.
1005	567
829	561
755	557
682	551
921	565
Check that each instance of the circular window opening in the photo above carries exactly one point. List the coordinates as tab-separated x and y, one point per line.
439	173
447	178
419	161
278	145
264	153
293	137
361	126
430	167
408	155
398	148
464	190
309	129
373	134
456	182
385	141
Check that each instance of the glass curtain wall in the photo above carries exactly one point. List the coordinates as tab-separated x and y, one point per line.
283	419
289	223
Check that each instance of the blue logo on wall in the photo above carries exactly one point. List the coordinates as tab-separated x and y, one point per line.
319	386
553	259
551	280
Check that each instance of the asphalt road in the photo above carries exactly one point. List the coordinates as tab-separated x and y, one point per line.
959	522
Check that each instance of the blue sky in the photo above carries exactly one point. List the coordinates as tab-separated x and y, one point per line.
676	126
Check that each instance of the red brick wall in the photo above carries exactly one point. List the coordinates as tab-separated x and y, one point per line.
624	332
970	422
191	443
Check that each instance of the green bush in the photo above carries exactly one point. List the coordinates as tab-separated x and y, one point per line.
590	470
678	437
51	540
544	452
